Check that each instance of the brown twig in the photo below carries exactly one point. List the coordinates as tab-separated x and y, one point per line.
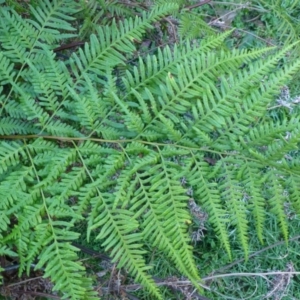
91	252
41	294
196	5
134	287
68	46
173	28
254	254
23	281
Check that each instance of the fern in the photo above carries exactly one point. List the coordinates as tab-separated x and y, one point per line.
283	14
192	26
119	147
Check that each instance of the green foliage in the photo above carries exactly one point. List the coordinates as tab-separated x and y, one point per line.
285	15
128	148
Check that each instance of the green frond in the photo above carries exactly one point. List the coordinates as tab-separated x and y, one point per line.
62	267
118	233
169	200
21	243
33	111
10	154
50	79
59	128
276	201
6	71
253	196
284	15
12	204
131	120
12	108
192	26
36	243
285	143
293	187
93	15
121	143
152	71
268	132
59	162
51	17
180	87
5	251
16	35
232	194
10	126
28	216
69	184
111	41
41	145
207	194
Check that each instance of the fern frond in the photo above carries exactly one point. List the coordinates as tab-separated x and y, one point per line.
10	154
286	142
232	193
168	203
118	233
207	195
50	79
62	267
180	87
59	256
251	83
268	132
69	184
152	71
21	241
283	13
111	41
276	200
5	251
6	71
10	126
109	147
118	226
256	202
292	185
96	11
20	36
33	111
154	230
12	202
51	16
192	26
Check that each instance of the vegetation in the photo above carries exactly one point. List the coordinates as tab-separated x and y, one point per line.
154	132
